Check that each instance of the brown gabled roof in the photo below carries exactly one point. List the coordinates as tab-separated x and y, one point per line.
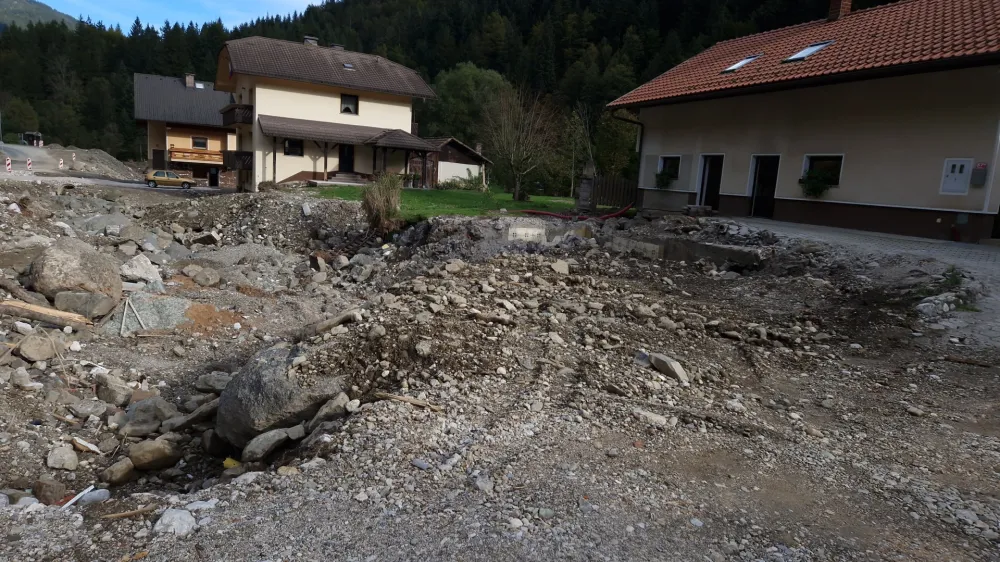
303	62
440	143
340	133
168	99
905	37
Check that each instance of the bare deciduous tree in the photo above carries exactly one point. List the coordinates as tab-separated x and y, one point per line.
519	132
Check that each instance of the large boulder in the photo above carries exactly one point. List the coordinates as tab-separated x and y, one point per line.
72	265
89	305
262	397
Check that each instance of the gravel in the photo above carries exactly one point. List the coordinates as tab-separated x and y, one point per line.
499	405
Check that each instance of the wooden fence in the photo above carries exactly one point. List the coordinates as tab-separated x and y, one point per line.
615	192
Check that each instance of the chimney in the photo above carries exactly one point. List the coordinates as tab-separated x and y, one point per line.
479	148
310	40
415	129
337	46
838	9
189	80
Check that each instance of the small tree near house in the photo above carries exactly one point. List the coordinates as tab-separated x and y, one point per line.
519	132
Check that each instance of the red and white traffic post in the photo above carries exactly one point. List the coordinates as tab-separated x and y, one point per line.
6	164
29	164
60	164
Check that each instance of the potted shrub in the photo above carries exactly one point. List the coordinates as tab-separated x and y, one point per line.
664	180
815	183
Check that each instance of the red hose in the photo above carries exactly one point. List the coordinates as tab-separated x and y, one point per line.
616	213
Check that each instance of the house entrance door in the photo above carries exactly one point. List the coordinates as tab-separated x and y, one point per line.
765	182
346	159
711	179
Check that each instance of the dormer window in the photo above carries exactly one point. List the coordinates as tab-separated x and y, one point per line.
809	51
741	64
348	104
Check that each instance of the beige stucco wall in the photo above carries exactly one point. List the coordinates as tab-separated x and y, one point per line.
156	135
316	103
454	170
179	138
312	161
894	133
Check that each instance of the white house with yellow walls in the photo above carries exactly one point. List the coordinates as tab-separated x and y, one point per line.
306	112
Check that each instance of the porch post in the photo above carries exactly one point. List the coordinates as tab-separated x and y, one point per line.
423	171
406	156
374	158
385	156
326	175
274	159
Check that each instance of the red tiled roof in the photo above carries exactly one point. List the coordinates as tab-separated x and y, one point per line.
910	32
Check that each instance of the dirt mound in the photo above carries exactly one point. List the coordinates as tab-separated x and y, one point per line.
94	161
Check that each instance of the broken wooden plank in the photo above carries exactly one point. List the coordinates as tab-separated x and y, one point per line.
43	314
408	400
134	512
965	361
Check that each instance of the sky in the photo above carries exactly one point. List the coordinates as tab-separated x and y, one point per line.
154	12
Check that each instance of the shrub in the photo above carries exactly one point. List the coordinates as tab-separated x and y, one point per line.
816	182
664	180
471	183
380	202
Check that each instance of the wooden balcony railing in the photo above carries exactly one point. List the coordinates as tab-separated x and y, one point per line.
237	159
196	156
237	114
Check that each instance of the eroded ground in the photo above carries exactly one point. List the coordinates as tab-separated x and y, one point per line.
819	416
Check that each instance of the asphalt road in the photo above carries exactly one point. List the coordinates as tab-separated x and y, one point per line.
41	159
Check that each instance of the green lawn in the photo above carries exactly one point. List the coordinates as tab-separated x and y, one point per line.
418	204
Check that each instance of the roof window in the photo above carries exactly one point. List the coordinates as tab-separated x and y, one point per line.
348	66
809	51
742	63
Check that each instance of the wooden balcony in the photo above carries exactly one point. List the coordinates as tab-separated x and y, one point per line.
237	114
195	156
237	159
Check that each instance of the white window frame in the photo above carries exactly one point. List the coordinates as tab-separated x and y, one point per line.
659	163
753	168
357	104
743	62
843	159
944	172
700	199
809	51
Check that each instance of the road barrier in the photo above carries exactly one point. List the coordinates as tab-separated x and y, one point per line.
29	164
60	164
7	164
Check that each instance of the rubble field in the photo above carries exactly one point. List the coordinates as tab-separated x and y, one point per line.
257	377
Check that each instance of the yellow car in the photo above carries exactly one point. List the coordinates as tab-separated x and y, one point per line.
157	178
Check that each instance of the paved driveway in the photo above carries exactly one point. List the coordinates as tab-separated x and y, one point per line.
983	262
979	261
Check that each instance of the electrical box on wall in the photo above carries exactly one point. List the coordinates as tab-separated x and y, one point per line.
979	174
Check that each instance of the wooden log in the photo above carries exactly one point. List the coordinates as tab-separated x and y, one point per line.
43	314
18	292
408	400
